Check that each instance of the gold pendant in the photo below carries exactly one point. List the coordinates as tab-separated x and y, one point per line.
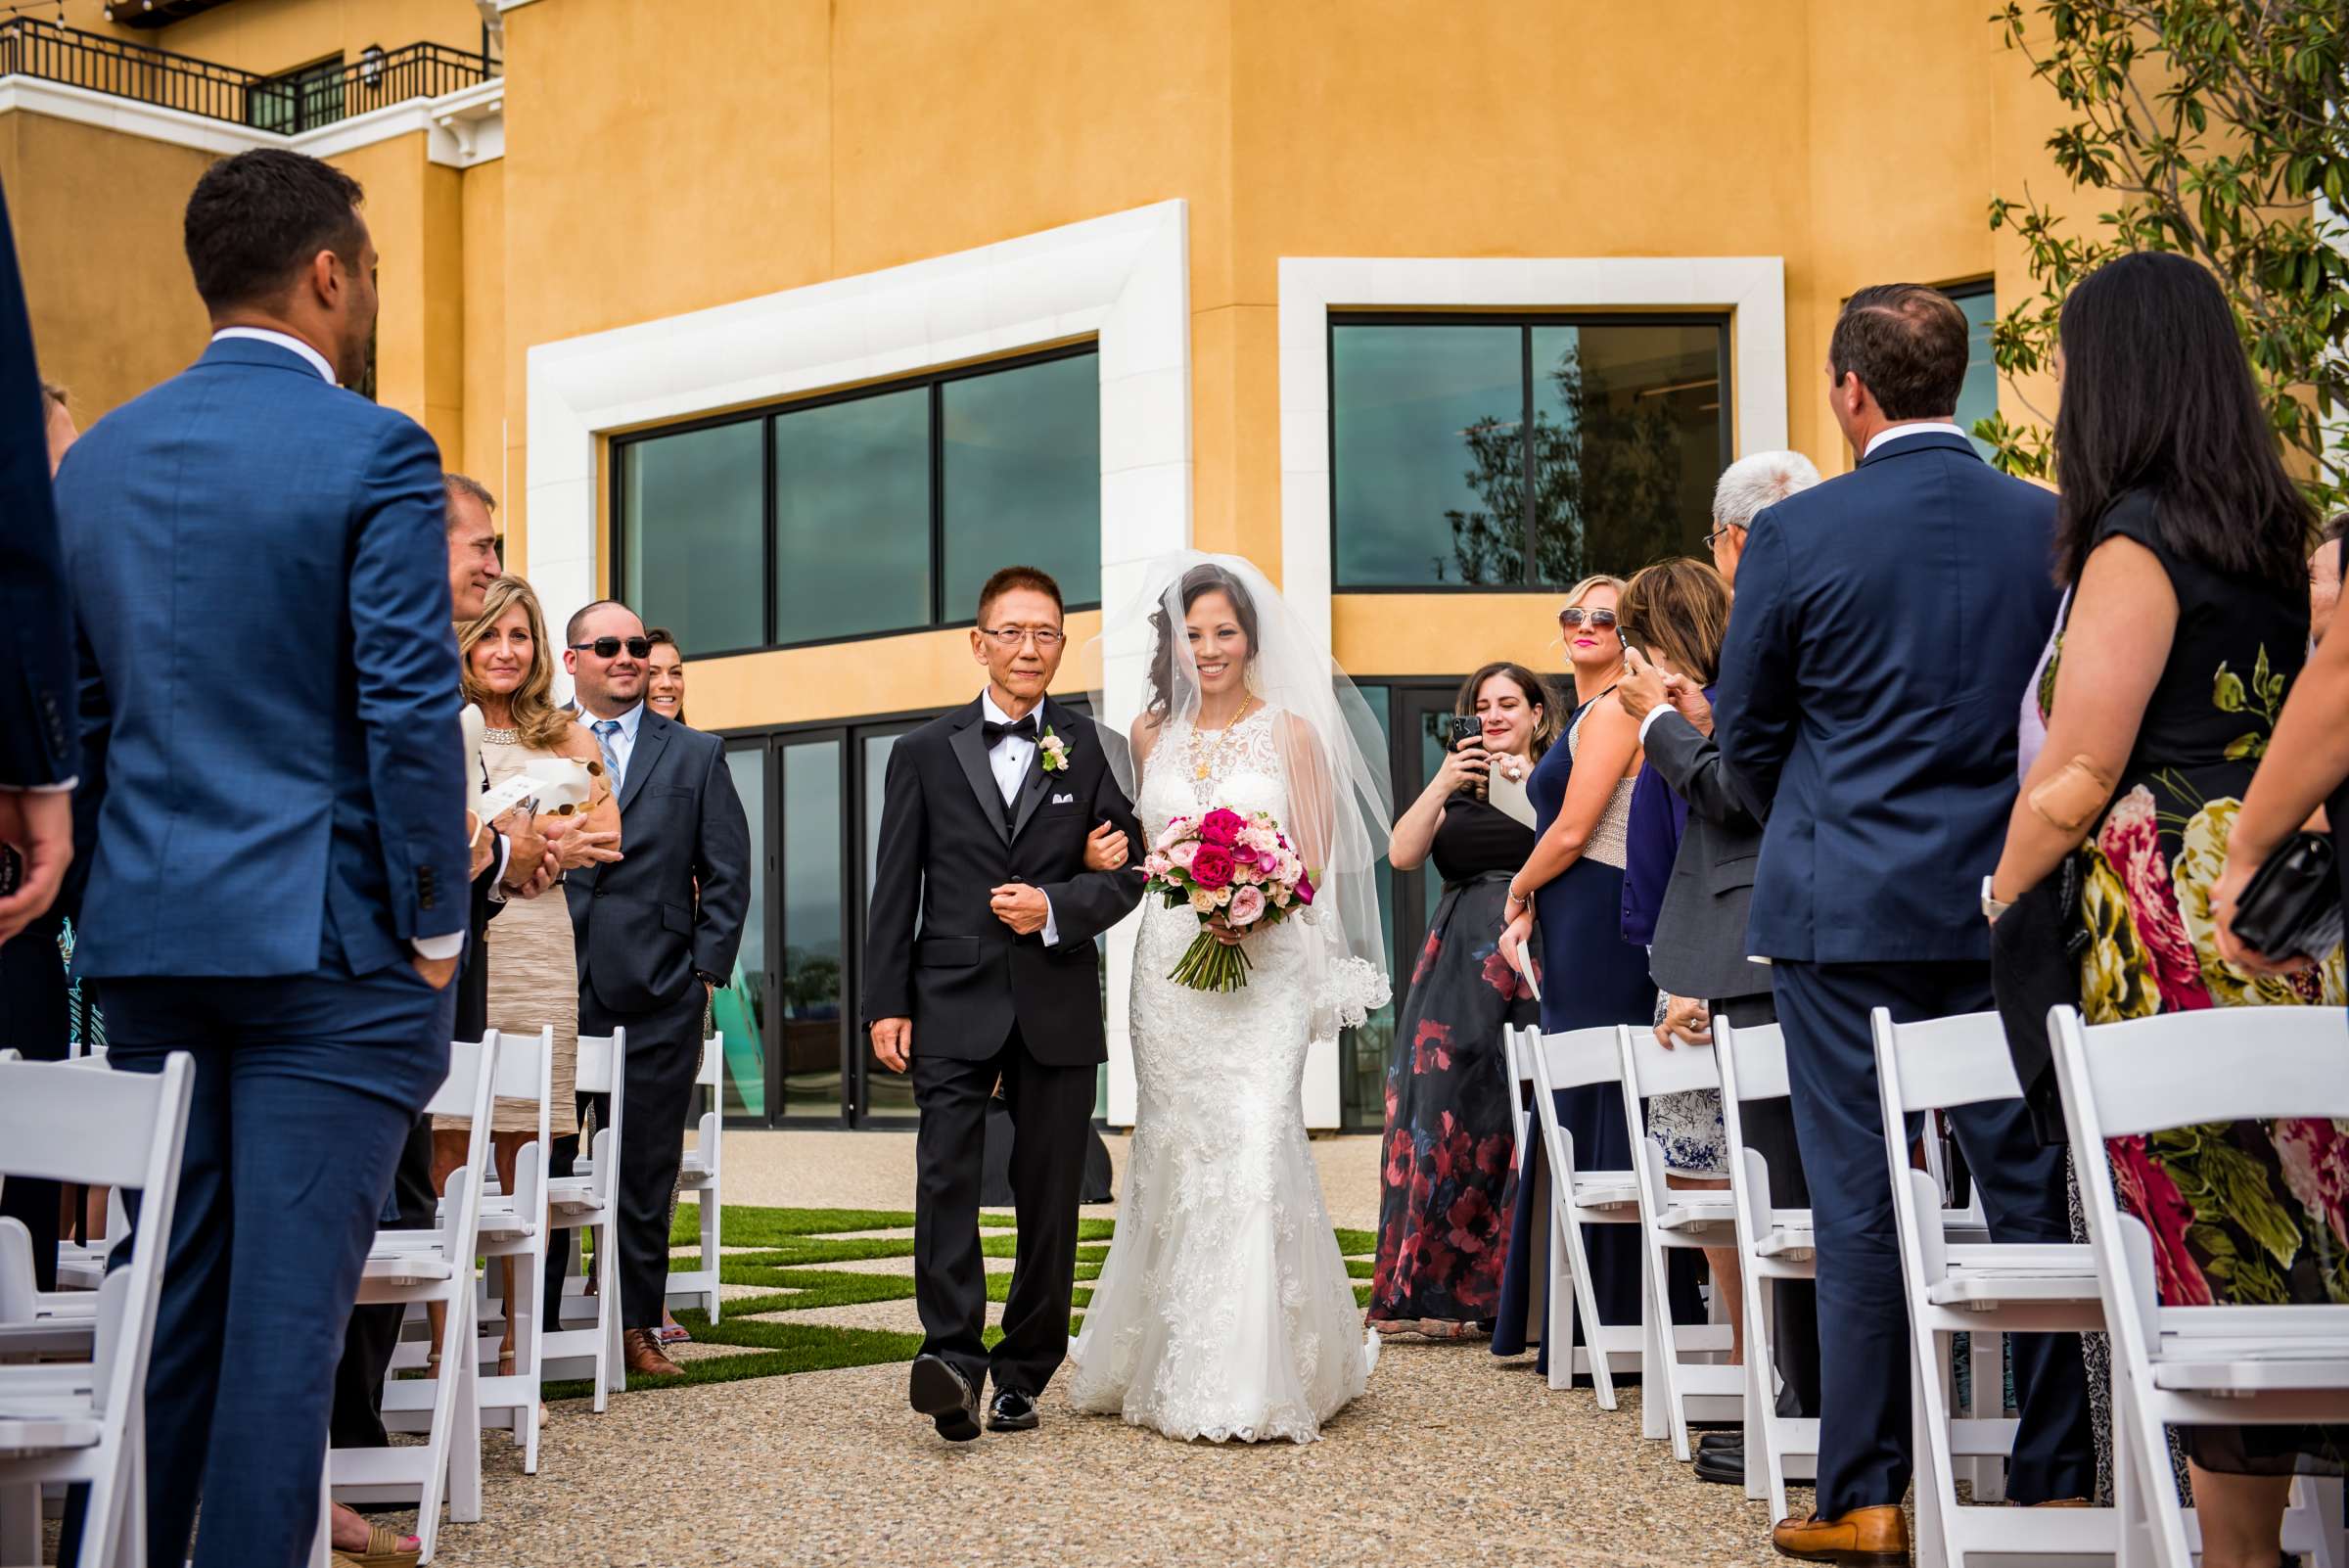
1202	773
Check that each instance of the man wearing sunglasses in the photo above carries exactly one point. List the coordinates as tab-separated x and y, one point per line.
651	946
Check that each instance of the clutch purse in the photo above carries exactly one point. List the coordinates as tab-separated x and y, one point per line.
2291	907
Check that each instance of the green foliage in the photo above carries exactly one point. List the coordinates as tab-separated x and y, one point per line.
2215	124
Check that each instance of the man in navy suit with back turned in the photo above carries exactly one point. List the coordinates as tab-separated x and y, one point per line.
279	884
1887	624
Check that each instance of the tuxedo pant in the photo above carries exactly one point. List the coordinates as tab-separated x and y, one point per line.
306	1089
665	1055
33	1021
1051	1107
1794	1302
1864	1428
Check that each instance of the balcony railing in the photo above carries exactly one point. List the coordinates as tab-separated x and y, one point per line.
289	104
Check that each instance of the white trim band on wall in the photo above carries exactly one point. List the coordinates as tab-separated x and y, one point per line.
1123	280
1751	289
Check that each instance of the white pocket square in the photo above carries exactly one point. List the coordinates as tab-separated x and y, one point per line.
1064	800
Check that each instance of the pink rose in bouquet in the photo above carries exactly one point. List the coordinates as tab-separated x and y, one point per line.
1236	870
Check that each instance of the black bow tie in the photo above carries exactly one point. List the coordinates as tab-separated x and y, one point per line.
1024	728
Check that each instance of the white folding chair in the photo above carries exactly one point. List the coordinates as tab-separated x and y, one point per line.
1772	1244
1573	1198
590	1202
2215	1365
1964	1286
419	1267
1521	1086
1673	1390
513	1225
698	1178
85	1421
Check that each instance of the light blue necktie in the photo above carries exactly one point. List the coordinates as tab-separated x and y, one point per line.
605	730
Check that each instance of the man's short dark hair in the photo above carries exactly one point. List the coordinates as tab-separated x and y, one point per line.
1012	577
258	218
1907	345
578	617
453	486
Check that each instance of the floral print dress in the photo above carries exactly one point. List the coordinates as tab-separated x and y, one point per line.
2248	1212
1449	1177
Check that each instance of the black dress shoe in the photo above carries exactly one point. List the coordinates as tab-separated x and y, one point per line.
1713	1440
1012	1412
1723	1462
940	1391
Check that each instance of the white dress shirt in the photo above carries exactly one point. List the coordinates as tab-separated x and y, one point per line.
1922	427
285	341
1009	757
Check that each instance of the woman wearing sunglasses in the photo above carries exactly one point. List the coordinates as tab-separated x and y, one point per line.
1582	794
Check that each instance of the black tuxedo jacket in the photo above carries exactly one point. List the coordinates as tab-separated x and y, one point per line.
961	974
39	743
641	937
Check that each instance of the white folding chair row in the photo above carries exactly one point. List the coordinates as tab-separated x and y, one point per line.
698	1178
586	1202
1561	1289
1686	1374
2212	1366
513	1225
65	1422
421	1267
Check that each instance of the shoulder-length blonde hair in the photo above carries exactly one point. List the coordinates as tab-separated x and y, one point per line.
1599	579
1678	609
1548	728
537	718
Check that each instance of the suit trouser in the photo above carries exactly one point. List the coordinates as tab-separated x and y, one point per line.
33	1020
665	1055
1794	1302
305	1088
357	1418
1864	1431
1051	1107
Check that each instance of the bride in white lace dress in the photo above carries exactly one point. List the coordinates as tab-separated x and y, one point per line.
1225	1309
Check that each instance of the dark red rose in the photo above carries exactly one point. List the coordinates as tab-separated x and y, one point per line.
1210	869
1221	828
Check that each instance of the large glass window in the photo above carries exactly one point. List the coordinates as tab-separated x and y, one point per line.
813	928
1495	453
740	1010
1979	398
877	511
693	502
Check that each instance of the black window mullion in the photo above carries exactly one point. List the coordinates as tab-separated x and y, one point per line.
778	1088
938	504
771	522
1525	441
852	863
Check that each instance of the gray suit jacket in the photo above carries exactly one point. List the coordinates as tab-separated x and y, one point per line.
1700	947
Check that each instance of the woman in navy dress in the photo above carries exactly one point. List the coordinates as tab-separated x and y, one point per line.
1582	794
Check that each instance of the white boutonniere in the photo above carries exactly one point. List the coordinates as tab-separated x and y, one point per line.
1056	752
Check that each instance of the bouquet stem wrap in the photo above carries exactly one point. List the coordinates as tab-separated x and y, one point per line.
1211	966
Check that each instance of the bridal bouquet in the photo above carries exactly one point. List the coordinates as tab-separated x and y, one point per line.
1224	865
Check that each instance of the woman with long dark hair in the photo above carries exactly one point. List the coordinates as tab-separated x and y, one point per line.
2183	542
1449	1102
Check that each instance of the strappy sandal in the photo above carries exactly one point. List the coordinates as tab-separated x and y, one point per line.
384	1550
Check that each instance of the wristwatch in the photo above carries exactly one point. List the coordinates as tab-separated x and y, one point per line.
1992	907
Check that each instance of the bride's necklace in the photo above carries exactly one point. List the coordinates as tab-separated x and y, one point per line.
1204	768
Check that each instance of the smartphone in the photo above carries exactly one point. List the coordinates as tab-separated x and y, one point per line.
11	870
1467	730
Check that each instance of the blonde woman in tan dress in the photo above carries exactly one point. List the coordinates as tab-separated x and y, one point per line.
534	977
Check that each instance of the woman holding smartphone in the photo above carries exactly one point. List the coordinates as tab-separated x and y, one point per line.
1448	1144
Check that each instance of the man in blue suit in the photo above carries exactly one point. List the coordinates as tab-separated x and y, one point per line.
279	884
1887	624
39	752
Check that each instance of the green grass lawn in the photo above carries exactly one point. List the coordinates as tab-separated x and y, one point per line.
788	1241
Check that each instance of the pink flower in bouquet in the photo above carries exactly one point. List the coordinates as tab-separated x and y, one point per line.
1180	855
1305	889
1173	833
1211	866
1247	906
1221	827
1263	841
1157	864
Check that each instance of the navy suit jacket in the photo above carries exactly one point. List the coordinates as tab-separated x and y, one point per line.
260	564
1887	623
37	743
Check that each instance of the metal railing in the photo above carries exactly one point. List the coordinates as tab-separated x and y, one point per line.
289	104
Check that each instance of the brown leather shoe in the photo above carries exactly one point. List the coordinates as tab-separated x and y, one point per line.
641	1346
1865	1538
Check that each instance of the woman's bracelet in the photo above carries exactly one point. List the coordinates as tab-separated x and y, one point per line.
1517	901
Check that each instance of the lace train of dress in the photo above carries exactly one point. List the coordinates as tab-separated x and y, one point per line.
1225	1309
